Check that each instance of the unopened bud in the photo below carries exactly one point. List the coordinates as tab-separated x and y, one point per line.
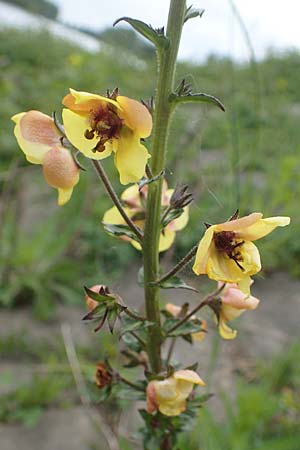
103	375
181	197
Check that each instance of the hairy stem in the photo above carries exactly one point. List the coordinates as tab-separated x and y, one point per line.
180	265
110	190
162	114
205	301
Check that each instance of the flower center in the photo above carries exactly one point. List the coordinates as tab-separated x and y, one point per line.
226	242
104	124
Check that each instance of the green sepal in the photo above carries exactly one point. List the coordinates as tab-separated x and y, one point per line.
175	283
186	328
119	230
111	319
101	298
191	13
157	37
197	98
172	215
96	313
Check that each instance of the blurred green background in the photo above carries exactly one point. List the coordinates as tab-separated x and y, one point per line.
246	158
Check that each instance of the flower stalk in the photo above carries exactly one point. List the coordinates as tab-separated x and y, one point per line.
162	115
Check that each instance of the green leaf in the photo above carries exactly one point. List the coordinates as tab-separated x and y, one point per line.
111	319
197	98
157	37
186	328
144	181
119	230
131	324
191	13
176	283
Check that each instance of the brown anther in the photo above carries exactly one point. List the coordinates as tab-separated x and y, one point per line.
225	242
89	134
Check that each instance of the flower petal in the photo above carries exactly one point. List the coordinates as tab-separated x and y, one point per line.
225	331
75	127
64	196
203	252
188	375
179	223
60	169
263	227
36	133
83	102
136	116
172	408
112	216
166	240
238	224
235	298
130	158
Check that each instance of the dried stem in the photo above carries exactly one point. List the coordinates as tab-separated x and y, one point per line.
102	174
111	439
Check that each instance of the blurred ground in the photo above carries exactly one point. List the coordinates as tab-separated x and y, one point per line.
262	333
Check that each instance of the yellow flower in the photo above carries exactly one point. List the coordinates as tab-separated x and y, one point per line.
226	252
40	140
169	396
98	126
175	311
134	201
233	304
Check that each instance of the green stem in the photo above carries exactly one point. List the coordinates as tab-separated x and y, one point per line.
162	114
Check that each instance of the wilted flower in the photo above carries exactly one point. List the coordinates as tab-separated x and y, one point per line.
226	252
40	140
98	126
169	396
233	304
134	206
98	289
103	375
176	311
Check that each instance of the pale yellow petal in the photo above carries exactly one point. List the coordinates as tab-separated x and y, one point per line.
225	331
112	216
136	244
136	116
84	102
130	157
165	389
181	222
166	239
75	127
238	224
203	251
188	375
263	227
172	408
131	196
64	196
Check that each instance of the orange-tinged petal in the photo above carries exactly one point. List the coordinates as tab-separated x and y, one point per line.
136	116
203	252
131	196
75	127
173	309
59	169
36	133
130	157
263	227
84	102
235	298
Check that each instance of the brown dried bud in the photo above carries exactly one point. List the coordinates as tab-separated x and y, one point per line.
103	375
181	197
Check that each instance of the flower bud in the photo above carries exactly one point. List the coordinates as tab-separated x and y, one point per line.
103	375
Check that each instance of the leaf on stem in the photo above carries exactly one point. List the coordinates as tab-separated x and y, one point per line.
119	230
176	283
172	215
186	328
191	13
197	98
157	37
144	181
